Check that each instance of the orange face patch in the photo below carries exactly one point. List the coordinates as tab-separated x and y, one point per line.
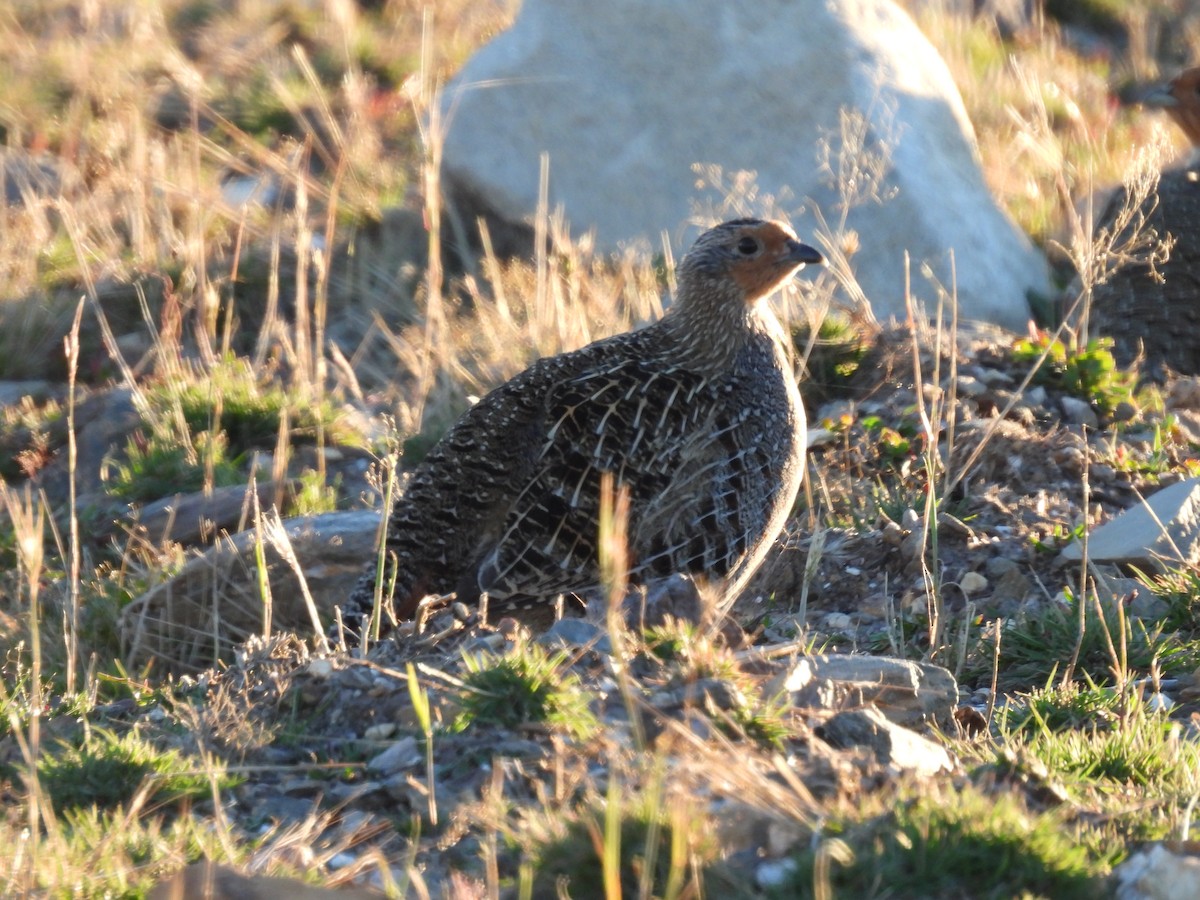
759	275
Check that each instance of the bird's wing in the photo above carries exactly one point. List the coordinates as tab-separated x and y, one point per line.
456	501
633	419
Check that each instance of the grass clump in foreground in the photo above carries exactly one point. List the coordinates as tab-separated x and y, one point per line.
1035	645
526	686
626	845
1103	742
106	772
707	676
161	465
109	854
942	844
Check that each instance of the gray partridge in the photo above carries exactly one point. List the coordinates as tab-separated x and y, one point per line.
697	416
1161	319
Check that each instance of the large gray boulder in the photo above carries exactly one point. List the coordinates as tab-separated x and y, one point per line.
627	96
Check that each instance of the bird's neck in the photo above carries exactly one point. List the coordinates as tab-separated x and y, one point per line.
713	333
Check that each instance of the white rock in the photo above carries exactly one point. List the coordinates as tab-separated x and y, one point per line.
1079	412
893	745
972	583
1156	873
775	873
320	668
625	97
380	732
401	755
1159	702
906	692
1165	526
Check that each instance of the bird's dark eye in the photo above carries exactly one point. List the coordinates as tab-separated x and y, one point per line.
747	246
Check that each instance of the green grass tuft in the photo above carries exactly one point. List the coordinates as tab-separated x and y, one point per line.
161	466
1089	373
952	844
107	771
526	686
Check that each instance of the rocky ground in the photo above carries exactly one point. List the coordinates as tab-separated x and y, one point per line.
764	728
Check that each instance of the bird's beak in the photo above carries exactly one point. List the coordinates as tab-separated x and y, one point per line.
1160	96
802	254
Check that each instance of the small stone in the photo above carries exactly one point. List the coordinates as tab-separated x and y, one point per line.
1124	412
1069	459
320	668
820	437
509	628
999	566
972	583
1184	394
572	633
893	534
837	621
905	692
1022	414
1079	412
892	744
993	377
1159	702
969	387
1036	396
912	545
380	732
1012	586
1156	873
775	873
1148	606
403	754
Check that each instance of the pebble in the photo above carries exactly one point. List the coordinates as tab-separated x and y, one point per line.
321	669
572	633
837	621
972	583
1125	412
893	534
403	754
1079	412
999	566
775	873
1159	702
967	386
1184	394
993	377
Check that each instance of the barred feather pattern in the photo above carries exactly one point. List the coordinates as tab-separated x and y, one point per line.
697	416
1154	313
